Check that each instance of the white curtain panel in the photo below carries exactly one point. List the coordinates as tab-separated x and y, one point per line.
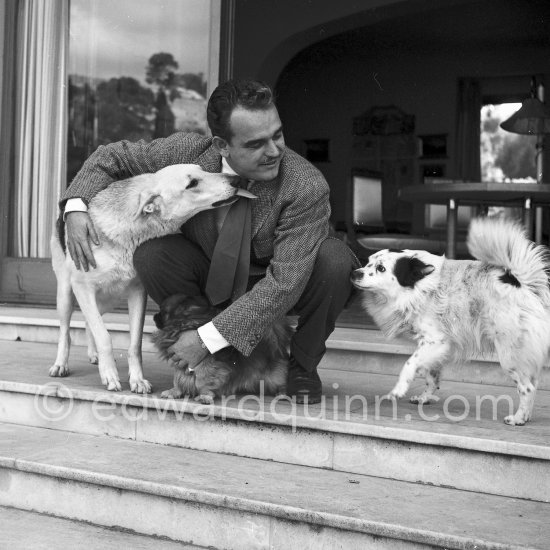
40	122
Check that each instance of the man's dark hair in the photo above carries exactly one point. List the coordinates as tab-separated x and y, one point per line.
246	93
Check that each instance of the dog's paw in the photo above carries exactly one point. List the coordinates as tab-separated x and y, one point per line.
517	419
140	385
205	399
113	384
93	358
422	399
389	397
59	370
172	393
399	391
394	394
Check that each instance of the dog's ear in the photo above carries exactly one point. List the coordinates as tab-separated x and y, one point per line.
159	321
149	203
199	301
408	271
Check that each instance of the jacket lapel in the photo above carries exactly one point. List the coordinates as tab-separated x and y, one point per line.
205	222
266	191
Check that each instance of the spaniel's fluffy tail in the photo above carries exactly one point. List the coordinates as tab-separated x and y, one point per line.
504	243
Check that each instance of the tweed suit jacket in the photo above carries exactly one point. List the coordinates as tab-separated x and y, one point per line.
290	219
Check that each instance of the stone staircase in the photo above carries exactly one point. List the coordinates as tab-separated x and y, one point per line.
80	465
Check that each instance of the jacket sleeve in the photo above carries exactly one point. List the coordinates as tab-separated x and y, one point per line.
302	226
125	159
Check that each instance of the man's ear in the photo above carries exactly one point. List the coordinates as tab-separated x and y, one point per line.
148	204
221	146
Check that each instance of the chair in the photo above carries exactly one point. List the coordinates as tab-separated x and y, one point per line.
436	214
366	231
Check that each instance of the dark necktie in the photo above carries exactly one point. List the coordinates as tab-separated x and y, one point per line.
228	274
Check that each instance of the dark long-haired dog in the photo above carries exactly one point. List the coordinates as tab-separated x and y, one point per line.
226	372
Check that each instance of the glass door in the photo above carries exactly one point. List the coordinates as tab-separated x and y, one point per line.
80	74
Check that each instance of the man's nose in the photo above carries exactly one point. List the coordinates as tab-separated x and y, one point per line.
272	149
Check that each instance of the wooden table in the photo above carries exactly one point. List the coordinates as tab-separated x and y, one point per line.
484	194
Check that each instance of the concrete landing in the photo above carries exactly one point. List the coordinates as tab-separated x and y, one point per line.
464	410
348	348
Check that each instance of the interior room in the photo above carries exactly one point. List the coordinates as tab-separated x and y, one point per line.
415	56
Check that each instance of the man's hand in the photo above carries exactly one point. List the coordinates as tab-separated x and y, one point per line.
188	351
80	234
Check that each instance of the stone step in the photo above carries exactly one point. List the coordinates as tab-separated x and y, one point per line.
351	349
221	501
23	530
457	442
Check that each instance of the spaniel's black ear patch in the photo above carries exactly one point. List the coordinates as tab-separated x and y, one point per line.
508	278
408	271
159	321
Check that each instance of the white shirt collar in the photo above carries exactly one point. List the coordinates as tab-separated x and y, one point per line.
226	169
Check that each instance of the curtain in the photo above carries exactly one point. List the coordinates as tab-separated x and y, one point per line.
40	122
468	163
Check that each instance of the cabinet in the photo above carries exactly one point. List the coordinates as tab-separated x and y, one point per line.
384	141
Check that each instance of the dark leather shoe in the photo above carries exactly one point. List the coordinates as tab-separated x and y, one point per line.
302	384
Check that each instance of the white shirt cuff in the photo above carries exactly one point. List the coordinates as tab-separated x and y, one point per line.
74	205
212	339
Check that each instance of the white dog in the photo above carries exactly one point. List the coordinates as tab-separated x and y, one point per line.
457	309
126	214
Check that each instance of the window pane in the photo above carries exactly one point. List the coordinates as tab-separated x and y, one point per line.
136	71
505	156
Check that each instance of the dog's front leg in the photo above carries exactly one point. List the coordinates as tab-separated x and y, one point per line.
433	374
137	298
65	308
182	381
428	357
211	379
92	349
86	297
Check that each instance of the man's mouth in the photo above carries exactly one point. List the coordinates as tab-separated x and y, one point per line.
271	162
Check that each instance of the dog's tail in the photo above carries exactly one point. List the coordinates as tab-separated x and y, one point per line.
504	243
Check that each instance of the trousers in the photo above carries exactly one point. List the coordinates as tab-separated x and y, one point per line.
173	264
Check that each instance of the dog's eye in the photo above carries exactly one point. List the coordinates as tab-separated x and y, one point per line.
193	183
380	268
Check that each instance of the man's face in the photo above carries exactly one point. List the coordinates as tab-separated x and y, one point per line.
257	145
